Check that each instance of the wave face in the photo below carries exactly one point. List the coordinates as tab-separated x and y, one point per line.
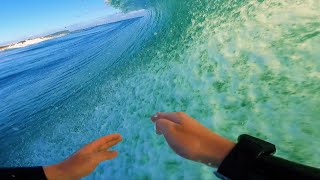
236	66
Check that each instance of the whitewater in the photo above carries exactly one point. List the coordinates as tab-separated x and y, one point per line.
237	66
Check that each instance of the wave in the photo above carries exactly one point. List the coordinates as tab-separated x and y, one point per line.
242	66
237	66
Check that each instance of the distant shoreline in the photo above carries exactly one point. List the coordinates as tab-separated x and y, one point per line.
111	19
29	42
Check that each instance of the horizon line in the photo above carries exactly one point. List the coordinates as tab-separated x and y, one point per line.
81	26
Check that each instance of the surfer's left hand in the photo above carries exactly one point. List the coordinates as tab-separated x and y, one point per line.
84	161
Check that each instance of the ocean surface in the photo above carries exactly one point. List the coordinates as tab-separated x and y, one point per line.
237	66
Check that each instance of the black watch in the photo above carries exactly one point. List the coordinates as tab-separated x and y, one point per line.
243	157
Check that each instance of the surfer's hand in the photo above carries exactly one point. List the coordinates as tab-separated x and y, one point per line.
191	140
84	161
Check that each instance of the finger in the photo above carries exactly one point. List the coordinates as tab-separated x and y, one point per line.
163	115
164	126
172	116
105	139
107	155
157	130
154	117
110	144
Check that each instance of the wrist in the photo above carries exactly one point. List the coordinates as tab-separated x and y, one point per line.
55	172
219	148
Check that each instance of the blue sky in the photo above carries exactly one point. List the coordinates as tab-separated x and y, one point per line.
20	19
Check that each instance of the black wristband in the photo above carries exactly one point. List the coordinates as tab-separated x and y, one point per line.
29	173
241	160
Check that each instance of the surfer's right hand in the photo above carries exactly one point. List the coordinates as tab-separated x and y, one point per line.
191	140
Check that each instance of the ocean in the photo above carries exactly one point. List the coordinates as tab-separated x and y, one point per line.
237	66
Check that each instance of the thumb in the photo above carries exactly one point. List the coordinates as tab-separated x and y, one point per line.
163	126
106	155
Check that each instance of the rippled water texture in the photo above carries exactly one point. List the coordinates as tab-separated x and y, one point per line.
236	66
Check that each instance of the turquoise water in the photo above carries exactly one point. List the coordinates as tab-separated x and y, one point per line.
236	66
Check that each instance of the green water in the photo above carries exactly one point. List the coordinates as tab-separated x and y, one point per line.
238	67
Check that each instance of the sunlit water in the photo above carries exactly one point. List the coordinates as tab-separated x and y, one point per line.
237	66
